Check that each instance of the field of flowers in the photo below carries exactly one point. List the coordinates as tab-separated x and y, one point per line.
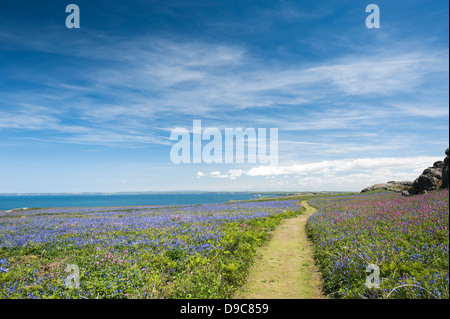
196	251
406	238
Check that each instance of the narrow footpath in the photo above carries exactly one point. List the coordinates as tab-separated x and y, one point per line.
286	269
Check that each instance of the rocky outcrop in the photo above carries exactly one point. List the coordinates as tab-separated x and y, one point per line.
445	171
389	186
434	177
429	180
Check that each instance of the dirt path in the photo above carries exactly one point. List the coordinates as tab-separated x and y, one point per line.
286	268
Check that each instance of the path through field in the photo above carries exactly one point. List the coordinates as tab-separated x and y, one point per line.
286	269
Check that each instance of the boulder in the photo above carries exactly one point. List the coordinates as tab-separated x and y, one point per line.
434	177
389	186
429	180
445	171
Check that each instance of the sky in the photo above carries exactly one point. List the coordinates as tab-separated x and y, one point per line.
91	109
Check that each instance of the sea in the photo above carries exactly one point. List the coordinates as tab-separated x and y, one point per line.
9	202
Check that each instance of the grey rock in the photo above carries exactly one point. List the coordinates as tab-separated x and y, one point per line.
392	186
445	171
434	177
438	164
429	180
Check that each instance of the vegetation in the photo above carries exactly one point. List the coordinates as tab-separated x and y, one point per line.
406	238
205	251
197	251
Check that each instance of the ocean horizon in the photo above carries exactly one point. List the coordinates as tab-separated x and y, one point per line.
18	201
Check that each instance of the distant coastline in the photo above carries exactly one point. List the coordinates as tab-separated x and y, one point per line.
10	202
34	201
155	193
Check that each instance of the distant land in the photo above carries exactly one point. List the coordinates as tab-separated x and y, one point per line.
88	199
172	192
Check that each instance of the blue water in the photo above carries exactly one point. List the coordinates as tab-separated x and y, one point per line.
34	201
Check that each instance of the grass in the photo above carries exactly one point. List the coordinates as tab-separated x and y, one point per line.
285	268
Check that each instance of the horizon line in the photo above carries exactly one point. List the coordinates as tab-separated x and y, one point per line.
173	192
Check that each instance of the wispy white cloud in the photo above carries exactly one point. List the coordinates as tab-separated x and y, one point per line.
368	75
345	165
37	118
349	174
425	108
147	80
232	174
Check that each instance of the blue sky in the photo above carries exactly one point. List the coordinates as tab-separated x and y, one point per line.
91	109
